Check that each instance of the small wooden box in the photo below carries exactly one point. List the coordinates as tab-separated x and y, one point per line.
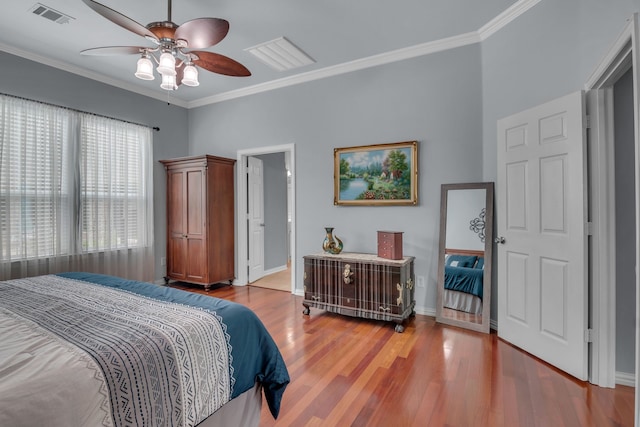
390	244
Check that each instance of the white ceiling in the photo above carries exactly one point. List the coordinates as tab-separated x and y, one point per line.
340	35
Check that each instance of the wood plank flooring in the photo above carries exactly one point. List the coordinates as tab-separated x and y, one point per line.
280	280
353	372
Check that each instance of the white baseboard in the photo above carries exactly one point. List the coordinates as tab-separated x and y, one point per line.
275	270
426	311
624	378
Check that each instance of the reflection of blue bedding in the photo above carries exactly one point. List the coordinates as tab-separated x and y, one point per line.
463	279
254	354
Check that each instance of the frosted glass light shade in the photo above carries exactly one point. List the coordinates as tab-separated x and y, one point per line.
145	69
190	77
167	64
168	82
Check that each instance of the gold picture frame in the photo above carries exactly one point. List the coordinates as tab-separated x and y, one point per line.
381	174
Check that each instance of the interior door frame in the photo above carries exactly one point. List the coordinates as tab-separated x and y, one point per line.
242	276
622	56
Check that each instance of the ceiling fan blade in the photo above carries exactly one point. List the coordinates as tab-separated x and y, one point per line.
120	19
113	50
220	64
203	32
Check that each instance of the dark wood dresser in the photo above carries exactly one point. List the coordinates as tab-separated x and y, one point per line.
360	285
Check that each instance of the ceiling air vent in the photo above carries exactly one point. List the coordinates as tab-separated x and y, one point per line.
51	14
280	54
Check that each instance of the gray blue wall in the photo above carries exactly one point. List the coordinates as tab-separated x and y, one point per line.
434	99
625	224
546	53
449	101
276	250
27	79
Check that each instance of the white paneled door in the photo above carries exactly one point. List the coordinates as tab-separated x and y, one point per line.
255	204
541	207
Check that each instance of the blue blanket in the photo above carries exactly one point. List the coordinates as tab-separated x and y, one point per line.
112	326
463	279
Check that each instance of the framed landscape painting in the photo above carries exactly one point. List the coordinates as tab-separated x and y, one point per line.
383	174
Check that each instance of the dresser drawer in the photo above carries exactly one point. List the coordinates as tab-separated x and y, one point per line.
390	244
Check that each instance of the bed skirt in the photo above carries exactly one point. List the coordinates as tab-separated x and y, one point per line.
462	302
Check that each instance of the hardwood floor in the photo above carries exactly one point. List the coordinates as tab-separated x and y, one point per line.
353	372
280	281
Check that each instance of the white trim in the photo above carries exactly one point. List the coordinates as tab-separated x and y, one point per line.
486	31
635	51
624	378
422	49
83	72
425	311
505	18
347	67
606	73
241	210
603	248
275	270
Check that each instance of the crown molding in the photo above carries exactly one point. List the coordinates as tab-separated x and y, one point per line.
486	31
505	18
89	74
347	67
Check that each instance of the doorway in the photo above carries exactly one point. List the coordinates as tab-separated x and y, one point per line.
622	62
243	214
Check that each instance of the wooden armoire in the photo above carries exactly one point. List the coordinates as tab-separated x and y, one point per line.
200	220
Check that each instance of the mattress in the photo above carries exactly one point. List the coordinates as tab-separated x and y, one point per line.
85	349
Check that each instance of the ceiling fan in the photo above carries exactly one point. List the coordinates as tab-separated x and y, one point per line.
176	62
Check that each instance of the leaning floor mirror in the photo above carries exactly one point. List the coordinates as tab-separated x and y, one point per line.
464	260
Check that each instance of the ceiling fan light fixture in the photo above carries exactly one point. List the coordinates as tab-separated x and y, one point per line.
167	64
170	52
190	77
168	82
144	70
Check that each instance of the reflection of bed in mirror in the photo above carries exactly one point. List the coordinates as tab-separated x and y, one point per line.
463	274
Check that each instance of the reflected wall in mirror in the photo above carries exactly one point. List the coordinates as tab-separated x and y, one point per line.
464	260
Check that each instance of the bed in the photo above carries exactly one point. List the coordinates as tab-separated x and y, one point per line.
81	349
463	280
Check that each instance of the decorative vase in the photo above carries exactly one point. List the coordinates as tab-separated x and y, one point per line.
331	244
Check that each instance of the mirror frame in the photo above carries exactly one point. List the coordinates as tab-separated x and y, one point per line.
488	256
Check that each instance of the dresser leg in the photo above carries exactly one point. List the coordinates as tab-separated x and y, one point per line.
306	310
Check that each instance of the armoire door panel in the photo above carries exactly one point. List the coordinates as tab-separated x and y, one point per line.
196	253
195	202
175	203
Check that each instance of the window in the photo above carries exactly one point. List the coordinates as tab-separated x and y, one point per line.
71	183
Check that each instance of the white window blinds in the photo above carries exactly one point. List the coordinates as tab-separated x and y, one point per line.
71	183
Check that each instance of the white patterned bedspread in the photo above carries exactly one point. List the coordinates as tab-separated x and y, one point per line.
121	359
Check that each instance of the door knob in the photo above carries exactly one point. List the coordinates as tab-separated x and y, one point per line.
499	240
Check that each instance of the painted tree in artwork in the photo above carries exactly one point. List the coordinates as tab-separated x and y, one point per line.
344	167
396	164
